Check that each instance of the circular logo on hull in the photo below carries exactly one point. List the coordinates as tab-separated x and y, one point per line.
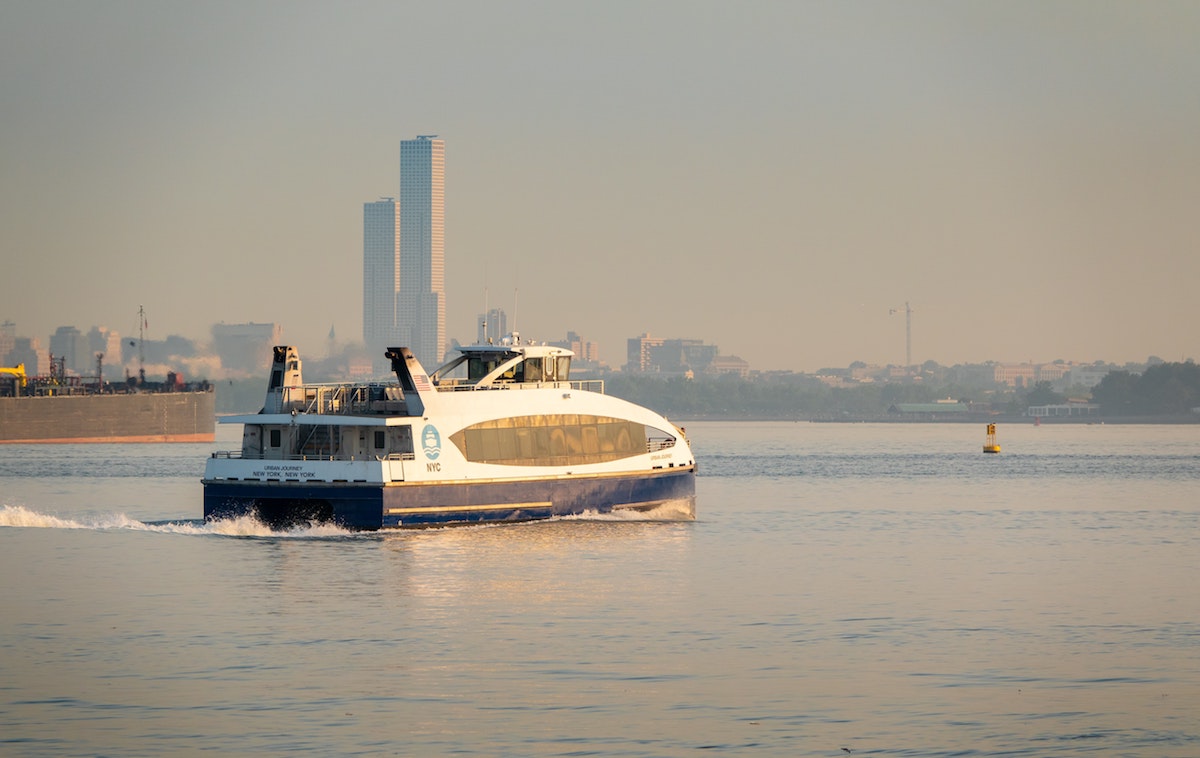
431	442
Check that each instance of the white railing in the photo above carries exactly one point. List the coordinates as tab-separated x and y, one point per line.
461	385
654	444
238	454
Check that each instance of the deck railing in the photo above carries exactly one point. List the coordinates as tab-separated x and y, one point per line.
238	454
360	399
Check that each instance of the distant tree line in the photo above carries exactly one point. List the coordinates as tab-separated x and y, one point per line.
799	397
1164	389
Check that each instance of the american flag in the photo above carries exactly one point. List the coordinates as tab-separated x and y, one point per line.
421	382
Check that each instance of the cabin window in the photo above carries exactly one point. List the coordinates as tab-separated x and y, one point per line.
564	367
401	440
275	438
554	440
380	440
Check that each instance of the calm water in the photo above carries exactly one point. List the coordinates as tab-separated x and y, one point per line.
883	588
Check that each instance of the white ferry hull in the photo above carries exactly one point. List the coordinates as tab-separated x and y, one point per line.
375	505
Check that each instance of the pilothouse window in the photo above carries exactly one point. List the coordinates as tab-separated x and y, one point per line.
477	368
533	369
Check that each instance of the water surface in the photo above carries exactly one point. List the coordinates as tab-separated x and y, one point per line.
883	588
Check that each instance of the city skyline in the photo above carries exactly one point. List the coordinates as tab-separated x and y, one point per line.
773	181
241	349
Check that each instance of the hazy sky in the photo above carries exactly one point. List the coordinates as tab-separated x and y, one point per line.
770	177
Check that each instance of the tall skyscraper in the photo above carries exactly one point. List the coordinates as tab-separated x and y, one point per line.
421	312
381	279
404	290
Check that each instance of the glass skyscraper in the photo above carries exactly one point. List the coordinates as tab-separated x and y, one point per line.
404	295
422	309
381	278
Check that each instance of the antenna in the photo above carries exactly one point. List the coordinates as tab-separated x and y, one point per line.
515	333
487	315
907	333
141	340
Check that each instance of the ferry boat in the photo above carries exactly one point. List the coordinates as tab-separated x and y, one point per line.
499	433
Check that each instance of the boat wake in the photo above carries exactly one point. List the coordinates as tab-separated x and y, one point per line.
249	526
244	526
669	510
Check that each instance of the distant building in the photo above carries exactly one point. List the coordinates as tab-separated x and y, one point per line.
940	409
246	348
586	353
862	373
8	340
68	344
1067	409
1086	376
646	354
421	310
106	342
30	352
493	326
729	365
381	279
1015	374
1051	372
404	289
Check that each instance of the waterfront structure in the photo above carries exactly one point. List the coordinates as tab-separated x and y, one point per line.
1068	409
381	277
421	308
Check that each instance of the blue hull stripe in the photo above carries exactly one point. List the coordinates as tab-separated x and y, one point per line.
373	506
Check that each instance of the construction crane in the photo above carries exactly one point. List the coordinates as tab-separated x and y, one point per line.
907	333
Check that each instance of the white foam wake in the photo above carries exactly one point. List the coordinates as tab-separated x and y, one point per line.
670	510
243	526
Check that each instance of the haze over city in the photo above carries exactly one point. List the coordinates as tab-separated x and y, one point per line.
772	178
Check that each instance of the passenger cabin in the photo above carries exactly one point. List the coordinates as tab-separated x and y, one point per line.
508	365
348	421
